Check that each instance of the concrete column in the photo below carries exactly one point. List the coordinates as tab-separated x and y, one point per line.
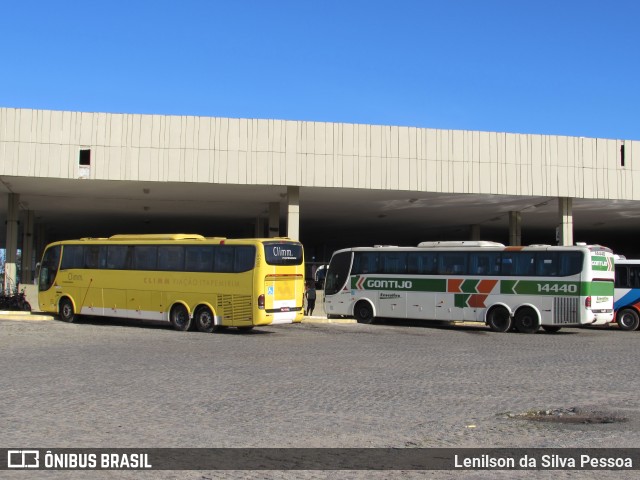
515	229
259	231
10	269
475	232
565	220
28	248
274	220
293	213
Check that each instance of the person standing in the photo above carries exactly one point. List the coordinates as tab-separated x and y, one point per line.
310	297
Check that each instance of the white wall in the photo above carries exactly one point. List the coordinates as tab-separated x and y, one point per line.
42	143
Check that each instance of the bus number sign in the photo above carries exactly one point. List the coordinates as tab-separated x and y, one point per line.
557	288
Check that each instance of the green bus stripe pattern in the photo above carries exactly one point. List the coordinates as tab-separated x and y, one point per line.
507	287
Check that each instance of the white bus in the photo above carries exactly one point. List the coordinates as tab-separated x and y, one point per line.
519	288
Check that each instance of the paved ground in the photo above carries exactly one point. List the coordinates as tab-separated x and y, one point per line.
101	384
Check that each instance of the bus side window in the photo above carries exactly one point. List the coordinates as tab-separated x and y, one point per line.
634	277
546	265
95	256
453	263
365	262
506	264
393	262
622	277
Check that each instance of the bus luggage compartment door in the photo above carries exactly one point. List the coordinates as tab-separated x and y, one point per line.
392	304
282	295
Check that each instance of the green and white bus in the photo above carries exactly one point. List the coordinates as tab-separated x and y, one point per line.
507	288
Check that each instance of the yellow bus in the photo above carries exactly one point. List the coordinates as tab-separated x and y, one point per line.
187	280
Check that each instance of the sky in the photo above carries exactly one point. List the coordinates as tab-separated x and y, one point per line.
558	67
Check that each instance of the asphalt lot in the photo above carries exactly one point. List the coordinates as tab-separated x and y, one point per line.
123	384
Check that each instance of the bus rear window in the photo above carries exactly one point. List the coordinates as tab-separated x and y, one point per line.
283	253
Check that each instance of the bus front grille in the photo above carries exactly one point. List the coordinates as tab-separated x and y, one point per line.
565	310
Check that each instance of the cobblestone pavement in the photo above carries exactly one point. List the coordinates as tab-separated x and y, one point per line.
102	384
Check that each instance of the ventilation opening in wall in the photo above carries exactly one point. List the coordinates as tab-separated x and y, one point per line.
622	155
84	159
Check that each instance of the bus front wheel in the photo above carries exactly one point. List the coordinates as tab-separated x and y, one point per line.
526	320
180	318
499	319
363	312
66	312
628	319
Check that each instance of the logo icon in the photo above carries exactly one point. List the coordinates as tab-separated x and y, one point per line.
23	458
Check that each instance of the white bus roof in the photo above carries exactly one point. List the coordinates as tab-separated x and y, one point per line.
626	261
461	244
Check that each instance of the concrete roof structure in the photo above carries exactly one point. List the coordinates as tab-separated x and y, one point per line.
97	174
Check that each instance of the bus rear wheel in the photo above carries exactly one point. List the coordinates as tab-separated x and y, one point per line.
363	313
65	311
499	319
628	319
526	320
204	319
180	318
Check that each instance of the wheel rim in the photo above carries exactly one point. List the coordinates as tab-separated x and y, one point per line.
180	317
364	313
627	320
527	321
204	319
500	320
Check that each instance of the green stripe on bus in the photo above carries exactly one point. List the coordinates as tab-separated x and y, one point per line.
533	287
405	284
509	287
469	286
601	289
460	300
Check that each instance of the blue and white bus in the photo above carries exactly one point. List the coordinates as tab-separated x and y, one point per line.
627	294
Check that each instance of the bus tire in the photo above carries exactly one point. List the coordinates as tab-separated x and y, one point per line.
65	311
628	319
180	318
204	319
551	328
499	319
363	312
526	320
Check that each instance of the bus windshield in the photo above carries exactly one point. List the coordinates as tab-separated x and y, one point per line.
338	272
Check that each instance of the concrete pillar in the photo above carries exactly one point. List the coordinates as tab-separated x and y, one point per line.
274	220
259	231
10	269
28	239
475	232
515	229
565	220
293	213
